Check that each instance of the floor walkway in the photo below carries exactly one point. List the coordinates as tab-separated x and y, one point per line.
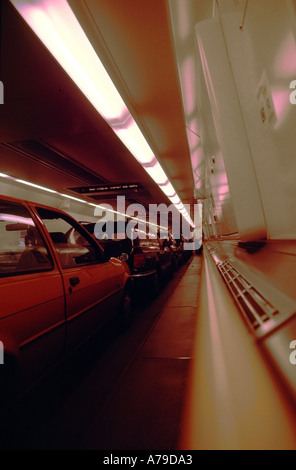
145	410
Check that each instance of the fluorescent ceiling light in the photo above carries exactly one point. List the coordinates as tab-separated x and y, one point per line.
74	198
134	140
168	190
35	185
157	174
175	200
55	24
68	196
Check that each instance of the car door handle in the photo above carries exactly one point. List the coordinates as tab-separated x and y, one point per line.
74	281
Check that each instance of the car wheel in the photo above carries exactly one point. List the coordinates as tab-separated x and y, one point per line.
126	309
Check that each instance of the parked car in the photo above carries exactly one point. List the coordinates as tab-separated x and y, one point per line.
175	248
56	290
185	247
149	262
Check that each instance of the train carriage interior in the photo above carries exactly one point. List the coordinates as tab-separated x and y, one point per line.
184	112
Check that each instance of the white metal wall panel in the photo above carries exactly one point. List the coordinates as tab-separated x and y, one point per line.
261	44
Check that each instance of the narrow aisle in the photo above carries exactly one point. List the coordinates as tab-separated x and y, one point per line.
145	411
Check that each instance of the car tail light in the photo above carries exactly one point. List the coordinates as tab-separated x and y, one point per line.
139	261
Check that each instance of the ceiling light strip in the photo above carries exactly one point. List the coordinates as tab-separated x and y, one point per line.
57	27
68	196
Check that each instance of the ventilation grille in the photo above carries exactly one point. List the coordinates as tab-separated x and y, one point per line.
259	314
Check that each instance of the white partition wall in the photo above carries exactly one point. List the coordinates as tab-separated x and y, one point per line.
234	151
260	38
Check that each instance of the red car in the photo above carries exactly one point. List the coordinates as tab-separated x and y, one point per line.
56	290
149	262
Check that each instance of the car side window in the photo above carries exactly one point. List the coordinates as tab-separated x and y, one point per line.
22	248
73	246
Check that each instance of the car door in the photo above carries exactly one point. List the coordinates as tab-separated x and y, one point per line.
92	285
32	308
